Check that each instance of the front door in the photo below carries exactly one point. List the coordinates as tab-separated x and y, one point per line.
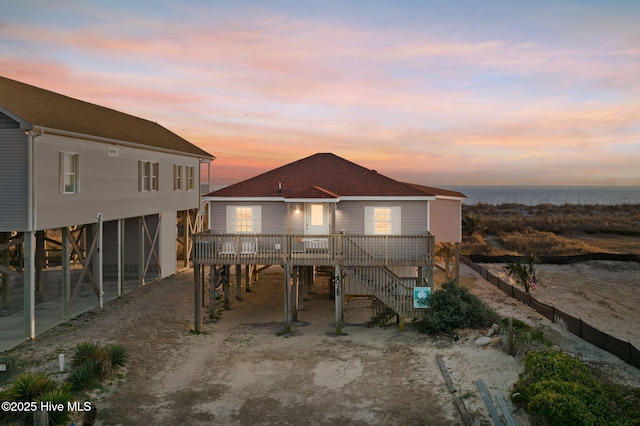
316	219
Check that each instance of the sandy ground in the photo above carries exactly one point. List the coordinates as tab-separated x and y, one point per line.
605	294
243	371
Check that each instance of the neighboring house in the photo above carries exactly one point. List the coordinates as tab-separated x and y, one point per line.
88	183
325	210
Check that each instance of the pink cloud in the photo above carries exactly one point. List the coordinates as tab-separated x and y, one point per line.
260	93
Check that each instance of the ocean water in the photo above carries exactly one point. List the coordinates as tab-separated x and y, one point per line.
558	195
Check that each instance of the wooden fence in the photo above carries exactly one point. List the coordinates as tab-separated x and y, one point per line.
623	350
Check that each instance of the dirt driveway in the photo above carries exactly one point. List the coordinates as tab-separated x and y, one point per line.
243	371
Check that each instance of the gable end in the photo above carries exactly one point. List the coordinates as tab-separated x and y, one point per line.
7	122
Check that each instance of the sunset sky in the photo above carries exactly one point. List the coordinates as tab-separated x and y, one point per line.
432	92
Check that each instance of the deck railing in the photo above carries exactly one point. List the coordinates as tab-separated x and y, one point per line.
343	249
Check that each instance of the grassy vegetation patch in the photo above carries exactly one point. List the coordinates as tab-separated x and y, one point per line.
526	338
543	242
30	388
92	363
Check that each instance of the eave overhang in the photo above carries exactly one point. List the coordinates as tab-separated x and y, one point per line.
116	142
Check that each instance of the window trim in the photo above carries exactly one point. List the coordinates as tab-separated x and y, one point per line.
178	177
232	222
64	163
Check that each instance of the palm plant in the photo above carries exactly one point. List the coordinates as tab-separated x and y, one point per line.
522	273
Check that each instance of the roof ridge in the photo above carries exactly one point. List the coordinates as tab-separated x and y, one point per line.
319	188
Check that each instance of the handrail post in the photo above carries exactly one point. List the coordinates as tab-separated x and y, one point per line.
386	250
237	250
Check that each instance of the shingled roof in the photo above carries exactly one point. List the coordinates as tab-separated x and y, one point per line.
50	110
321	176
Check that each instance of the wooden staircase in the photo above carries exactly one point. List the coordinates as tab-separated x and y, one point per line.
388	289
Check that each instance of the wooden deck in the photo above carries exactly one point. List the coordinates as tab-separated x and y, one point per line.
319	250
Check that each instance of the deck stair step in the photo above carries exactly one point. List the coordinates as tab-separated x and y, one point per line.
327	271
382	314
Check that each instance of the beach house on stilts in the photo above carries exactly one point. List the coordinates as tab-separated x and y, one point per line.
375	233
91	200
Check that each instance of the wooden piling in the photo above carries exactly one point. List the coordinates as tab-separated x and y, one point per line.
287	298
214	281
225	286
239	282
197	297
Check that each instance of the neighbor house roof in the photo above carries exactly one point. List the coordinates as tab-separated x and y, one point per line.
321	176
438	192
52	111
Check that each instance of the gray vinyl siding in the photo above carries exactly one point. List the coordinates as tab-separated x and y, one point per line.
446	220
14	180
274	218
108	184
350	216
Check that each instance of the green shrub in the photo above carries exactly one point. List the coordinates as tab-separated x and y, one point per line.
557	389
559	409
555	365
453	307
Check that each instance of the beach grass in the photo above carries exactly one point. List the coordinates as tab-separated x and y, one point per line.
547	229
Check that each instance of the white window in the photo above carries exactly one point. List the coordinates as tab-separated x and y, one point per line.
69	173
148	176
191	178
177	177
244	219
382	220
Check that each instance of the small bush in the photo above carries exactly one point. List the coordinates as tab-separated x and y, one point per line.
453	307
28	387
118	355
106	359
86	351
61	395
85	376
